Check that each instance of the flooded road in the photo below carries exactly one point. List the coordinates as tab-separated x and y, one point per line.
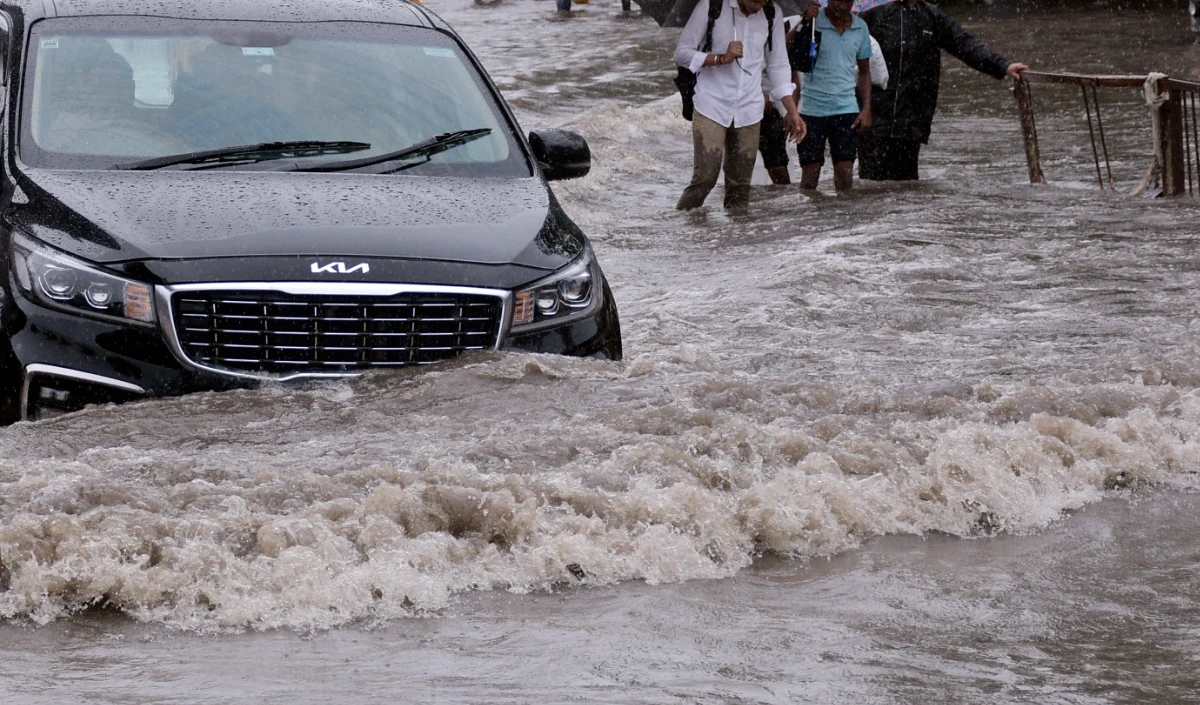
1098	609
934	442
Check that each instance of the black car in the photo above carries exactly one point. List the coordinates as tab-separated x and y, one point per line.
198	196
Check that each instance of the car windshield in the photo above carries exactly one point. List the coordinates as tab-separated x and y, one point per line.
103	93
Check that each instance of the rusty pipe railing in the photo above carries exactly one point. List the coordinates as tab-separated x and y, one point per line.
1175	113
1184	97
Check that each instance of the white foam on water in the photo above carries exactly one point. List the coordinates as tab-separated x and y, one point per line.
798	380
347	504
617	136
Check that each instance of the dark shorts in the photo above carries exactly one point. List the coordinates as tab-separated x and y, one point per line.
843	141
772	140
885	159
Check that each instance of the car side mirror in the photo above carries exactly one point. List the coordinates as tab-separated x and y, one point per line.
561	154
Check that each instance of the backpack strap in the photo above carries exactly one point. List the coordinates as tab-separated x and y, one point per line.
769	11
714	11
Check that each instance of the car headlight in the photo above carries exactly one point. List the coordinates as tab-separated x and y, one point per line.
60	281
571	293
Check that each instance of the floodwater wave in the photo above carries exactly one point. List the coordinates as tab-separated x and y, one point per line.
964	356
390	510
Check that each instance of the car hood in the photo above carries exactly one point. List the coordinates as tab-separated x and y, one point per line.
112	216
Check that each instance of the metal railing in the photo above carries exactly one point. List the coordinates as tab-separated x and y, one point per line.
1186	96
1174	107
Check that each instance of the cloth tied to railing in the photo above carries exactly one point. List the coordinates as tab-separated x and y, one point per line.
1156	97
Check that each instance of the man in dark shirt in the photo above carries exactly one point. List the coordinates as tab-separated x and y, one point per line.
912	35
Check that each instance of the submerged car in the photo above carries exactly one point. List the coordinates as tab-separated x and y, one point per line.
199	196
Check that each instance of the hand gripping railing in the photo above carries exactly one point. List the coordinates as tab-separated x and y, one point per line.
1174	107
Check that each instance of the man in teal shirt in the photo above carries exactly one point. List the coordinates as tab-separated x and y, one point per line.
839	83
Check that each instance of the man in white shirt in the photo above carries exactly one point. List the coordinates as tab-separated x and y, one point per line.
729	100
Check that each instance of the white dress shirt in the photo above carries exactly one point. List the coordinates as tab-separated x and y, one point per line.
732	94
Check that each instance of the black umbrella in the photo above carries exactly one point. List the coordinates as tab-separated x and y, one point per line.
675	13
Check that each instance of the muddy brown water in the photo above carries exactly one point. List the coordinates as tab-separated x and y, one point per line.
931	442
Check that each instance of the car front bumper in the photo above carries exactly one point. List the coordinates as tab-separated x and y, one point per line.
65	362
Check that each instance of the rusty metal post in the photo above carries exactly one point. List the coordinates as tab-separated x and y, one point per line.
1103	140
1174	178
1187	103
1194	187
1087	106
1025	110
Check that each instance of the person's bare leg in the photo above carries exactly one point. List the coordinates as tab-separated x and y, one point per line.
810	174
843	175
779	175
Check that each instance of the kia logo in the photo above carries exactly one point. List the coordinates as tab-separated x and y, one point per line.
339	268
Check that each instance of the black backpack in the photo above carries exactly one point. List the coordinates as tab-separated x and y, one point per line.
685	80
802	50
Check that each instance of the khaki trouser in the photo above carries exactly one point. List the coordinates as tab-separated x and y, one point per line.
737	146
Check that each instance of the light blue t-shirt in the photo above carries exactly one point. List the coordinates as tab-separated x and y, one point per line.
829	89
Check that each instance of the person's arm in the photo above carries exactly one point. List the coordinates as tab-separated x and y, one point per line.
692	36
793	124
879	70
862	123
779	74
957	42
862	90
1014	70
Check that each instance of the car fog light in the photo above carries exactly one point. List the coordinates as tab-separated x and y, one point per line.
547	302
99	295
51	394
59	283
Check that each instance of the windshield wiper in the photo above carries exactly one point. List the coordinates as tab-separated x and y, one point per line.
263	151
421	150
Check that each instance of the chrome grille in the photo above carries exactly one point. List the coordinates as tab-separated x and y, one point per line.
272	332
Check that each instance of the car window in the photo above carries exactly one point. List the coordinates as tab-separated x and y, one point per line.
98	96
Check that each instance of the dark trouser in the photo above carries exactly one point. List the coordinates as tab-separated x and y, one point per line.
772	140
714	143
886	159
564	5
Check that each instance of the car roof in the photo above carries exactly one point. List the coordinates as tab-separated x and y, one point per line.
389	11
